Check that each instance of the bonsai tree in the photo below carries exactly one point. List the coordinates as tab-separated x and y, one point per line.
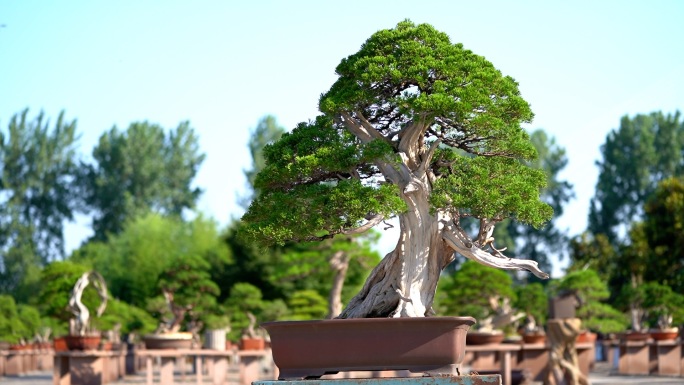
591	291
481	292
58	279
532	299
187	291
79	324
244	299
418	128
663	307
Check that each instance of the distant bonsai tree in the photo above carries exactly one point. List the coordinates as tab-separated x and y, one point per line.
478	291
591	290
418	128
187	291
532	299
663	307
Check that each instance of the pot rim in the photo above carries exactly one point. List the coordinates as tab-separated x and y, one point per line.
466	320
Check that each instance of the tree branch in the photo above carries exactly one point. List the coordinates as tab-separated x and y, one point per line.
374	220
425	164
357	130
453	235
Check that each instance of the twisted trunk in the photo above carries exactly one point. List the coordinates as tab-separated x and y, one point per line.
404	283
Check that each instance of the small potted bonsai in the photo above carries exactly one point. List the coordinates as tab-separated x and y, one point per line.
483	293
252	339
81	336
418	129
186	290
596	315
662	305
532	300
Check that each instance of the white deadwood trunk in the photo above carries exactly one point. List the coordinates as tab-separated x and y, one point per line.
339	263
404	282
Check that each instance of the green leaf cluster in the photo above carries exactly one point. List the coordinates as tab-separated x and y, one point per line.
533	300
415	71
17	322
487	187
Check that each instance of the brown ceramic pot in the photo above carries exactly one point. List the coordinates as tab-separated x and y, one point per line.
664	335
59	344
180	340
310	349
87	342
586	337
256	343
534	338
484	338
635	336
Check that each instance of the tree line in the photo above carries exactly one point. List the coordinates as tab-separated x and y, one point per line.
138	190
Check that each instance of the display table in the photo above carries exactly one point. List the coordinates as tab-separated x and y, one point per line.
492	356
93	367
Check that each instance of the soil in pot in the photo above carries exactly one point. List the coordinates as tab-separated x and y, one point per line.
310	349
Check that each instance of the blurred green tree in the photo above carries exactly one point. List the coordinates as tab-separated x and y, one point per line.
139	171
38	193
644	150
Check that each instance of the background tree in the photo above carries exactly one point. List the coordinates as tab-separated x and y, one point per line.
139	171
644	150
334	268
664	232
132	261
266	132
398	121
11	327
38	193
588	251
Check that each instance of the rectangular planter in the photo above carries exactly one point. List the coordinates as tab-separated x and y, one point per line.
310	349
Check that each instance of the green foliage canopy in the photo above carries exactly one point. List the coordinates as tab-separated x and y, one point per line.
319	179
141	170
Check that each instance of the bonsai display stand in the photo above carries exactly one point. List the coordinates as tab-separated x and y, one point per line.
494	379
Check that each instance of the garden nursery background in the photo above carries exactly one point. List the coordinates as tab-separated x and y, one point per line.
130	136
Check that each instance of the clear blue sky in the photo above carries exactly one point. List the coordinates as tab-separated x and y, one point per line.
225	64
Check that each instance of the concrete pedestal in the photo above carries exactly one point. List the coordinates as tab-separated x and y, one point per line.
668	355
634	358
